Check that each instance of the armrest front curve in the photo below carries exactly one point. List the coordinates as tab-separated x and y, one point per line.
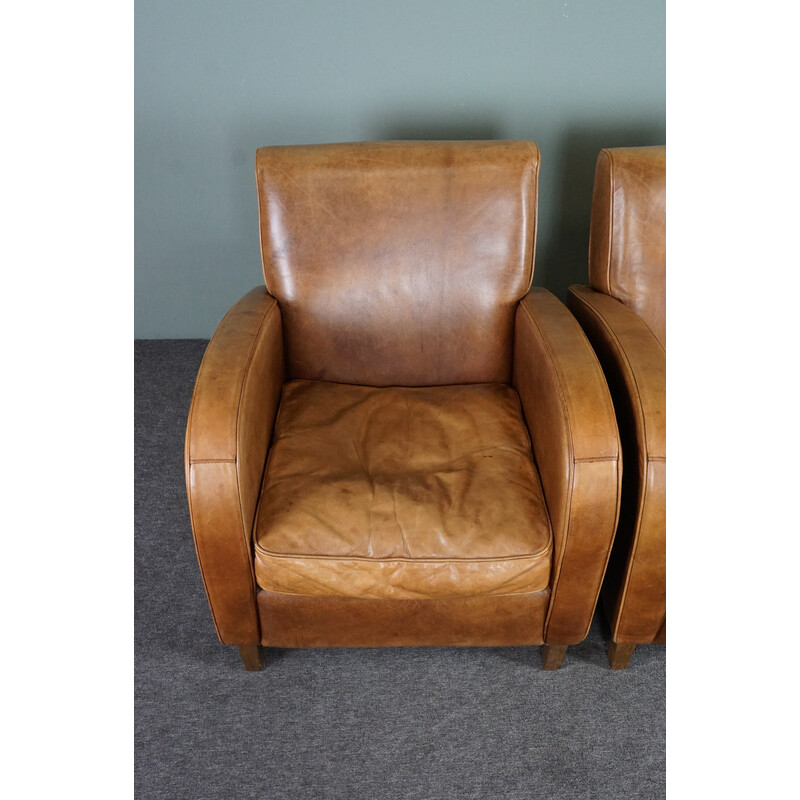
573	431
634	362
233	409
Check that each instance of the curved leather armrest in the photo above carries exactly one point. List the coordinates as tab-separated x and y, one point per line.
573	431
230	424
634	362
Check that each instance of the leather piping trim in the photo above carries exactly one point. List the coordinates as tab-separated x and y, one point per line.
643	463
610	216
571	478
261	248
403	599
535	222
423	560
610	222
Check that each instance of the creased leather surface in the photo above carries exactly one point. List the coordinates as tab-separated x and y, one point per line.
292	620
398	263
635	365
230	421
570	416
401	493
627	244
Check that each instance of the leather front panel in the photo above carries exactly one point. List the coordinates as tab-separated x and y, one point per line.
289	620
401	493
398	263
627	245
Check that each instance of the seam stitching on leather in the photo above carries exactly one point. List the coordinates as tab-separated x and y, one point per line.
456	599
535	221
426	560
610	217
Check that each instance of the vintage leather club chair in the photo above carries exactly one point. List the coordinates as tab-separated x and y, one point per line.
358	451
623	312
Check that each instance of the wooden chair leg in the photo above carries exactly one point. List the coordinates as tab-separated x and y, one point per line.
553	655
619	654
251	657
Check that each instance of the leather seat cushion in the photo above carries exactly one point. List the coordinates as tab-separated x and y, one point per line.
401	493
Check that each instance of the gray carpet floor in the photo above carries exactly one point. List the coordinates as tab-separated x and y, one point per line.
428	723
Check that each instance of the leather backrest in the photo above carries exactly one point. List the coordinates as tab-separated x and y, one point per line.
627	243
398	263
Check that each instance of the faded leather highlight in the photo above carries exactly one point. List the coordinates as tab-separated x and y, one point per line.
571	420
398	263
230	421
401	493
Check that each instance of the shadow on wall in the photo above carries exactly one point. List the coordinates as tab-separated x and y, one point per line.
562	256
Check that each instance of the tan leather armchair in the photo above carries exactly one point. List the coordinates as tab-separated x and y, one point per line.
394	442
623	312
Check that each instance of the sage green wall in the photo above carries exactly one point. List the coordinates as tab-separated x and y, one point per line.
215	80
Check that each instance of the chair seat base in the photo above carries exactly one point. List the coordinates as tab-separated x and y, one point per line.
314	621
400	493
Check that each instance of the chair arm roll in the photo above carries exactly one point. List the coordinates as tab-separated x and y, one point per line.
233	410
575	443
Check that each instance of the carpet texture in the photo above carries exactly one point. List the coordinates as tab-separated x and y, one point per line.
427	723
